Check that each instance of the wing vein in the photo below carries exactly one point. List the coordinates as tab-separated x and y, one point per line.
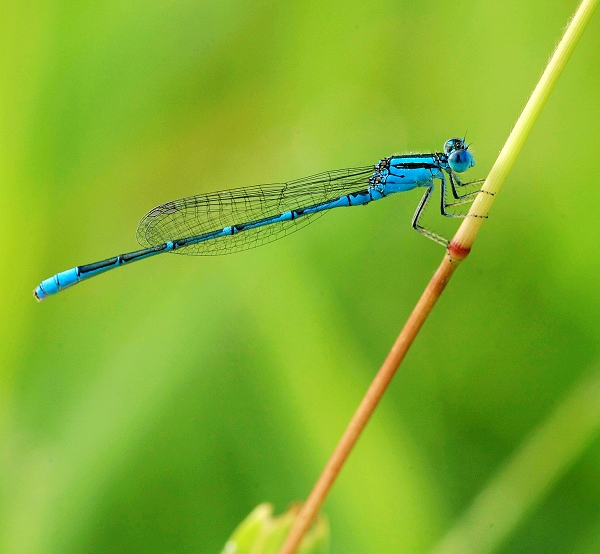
205	213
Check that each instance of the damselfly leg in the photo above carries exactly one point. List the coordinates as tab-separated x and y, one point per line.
461	200
419	212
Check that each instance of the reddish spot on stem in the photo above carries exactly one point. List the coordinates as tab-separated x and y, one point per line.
457	252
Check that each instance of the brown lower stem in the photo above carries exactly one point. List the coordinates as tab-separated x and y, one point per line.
368	404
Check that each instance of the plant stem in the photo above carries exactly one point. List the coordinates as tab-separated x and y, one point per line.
368	404
464	237
458	249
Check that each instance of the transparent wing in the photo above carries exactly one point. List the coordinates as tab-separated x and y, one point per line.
196	215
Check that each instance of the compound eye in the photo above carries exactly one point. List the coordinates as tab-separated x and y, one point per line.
453	144
460	160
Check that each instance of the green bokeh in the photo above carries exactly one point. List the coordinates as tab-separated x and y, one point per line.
151	409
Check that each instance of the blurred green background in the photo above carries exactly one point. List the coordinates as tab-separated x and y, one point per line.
150	409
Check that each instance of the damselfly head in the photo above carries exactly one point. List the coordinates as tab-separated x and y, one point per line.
459	157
